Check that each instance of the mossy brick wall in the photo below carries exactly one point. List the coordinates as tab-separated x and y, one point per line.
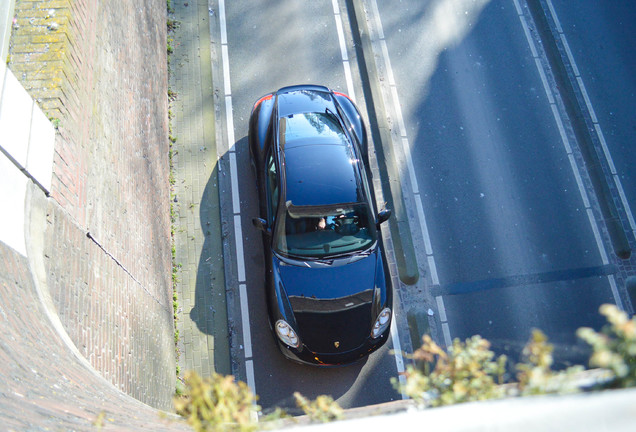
98	68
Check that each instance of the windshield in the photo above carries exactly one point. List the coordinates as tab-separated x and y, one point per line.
325	231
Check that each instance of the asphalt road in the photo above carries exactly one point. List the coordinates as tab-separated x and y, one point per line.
511	240
510	214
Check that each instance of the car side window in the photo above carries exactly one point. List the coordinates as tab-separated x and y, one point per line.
272	187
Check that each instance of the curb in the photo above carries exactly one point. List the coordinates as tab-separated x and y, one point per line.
579	118
381	133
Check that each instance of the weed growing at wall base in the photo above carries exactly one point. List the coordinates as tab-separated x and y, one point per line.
175	267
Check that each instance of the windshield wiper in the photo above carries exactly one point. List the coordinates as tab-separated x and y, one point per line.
304	260
365	252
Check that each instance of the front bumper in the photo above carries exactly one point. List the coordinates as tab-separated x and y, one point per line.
304	355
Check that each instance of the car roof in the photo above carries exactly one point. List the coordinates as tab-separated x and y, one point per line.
321	167
321	174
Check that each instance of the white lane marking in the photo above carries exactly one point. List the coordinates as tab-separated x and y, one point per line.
399	360
340	31
343	50
526	31
442	312
566	144
579	181
432	268
601	137
597	236
249	371
349	81
447	337
406	150
544	81
630	216
226	71
597	126
564	136
229	121
612	282
240	256
443	318
223	22
568	52
586	97
245	319
236	203
424	228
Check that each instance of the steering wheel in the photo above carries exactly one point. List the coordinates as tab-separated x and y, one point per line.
347	225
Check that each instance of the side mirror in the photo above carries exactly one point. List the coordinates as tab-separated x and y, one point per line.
261	224
383	216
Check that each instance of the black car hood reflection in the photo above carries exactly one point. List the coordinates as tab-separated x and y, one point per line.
335	300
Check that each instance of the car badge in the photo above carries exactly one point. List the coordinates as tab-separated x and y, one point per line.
336	344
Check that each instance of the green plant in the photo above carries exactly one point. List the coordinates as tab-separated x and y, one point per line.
173	24
175	301
272	421
175	280
323	408
614	347
217	403
535	376
56	123
466	373
172	95
99	420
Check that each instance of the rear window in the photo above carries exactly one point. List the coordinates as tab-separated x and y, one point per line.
315	125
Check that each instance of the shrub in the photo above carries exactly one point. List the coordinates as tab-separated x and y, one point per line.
217	403
614	348
535	376
466	373
323	409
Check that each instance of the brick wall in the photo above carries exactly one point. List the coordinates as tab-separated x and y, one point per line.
98	68
44	386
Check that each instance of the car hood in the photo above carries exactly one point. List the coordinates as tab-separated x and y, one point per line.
332	305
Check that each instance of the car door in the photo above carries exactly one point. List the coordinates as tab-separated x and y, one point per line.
272	189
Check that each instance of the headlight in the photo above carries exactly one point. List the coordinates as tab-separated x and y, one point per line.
381	324
287	334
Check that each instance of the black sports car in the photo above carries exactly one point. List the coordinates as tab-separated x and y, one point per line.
328	288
